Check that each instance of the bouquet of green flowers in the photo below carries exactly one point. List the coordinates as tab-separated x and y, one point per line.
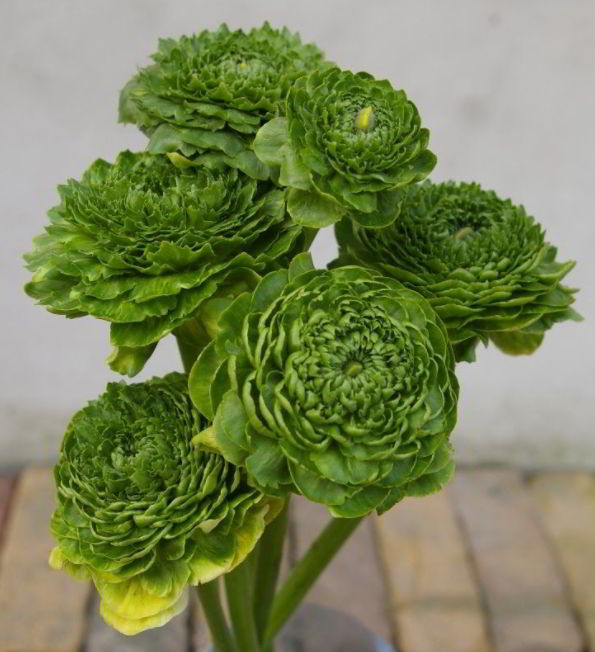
335	384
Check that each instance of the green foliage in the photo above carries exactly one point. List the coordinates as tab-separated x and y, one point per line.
141	511
482	263
208	94
338	385
348	145
143	242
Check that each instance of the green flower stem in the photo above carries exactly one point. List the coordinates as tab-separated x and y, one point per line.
307	571
191	340
268	563
239	589
208	594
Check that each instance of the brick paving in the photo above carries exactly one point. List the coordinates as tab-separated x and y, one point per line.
526	601
500	562
434	599
7	485
567	505
41	610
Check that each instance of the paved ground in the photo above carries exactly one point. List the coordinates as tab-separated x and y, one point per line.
501	562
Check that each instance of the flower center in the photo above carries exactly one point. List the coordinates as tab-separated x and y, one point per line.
365	119
352	368
461	234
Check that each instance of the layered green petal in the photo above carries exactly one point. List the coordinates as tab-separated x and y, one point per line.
136	625
482	262
207	94
142	511
144	242
348	144
337	385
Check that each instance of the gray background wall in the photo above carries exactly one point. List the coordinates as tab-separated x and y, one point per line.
506	87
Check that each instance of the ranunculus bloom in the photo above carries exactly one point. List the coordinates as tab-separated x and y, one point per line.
207	94
142	243
482	263
348	144
141	511
338	385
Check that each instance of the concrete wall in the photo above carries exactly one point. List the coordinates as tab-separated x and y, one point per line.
506	87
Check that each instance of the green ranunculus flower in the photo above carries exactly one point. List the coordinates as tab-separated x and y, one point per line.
209	93
481	261
348	144
144	513
338	385
143	242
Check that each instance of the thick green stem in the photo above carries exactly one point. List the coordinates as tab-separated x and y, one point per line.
188	352
208	595
188	355
239	585
268	564
192	339
307	571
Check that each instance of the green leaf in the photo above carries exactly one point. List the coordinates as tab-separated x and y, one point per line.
211	312
127	108
129	361
180	161
312	210
220	384
334	465
267	465
201	376
58	561
230	428
249	533
431	482
167	138
393	497
360	504
517	342
362	202
465	351
230	322
387	211
147	594
207	440
317	488
268	290
132	626
293	173
270	140
214	555
301	264
248	163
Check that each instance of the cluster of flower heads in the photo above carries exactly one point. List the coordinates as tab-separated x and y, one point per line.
334	384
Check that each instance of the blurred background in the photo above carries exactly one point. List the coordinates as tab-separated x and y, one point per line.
507	89
500	562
